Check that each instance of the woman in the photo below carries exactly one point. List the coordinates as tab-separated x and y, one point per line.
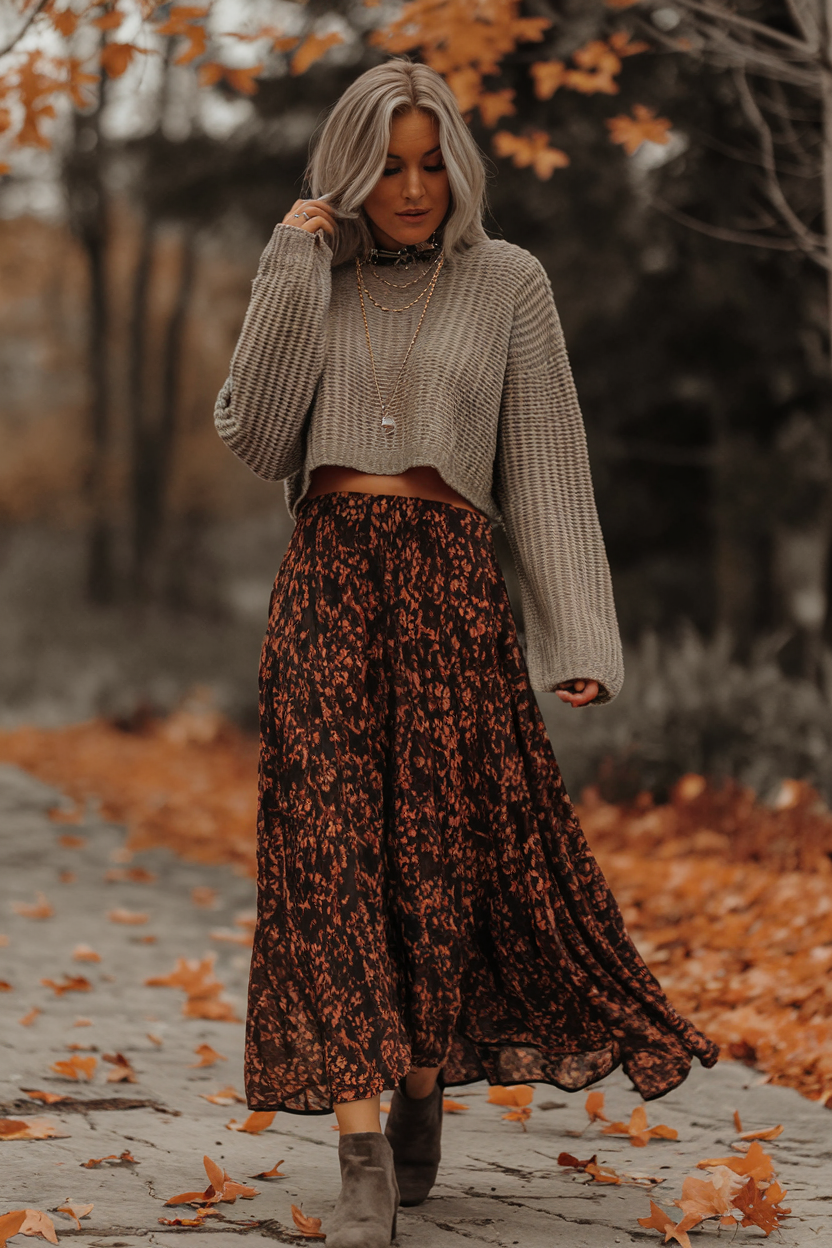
429	912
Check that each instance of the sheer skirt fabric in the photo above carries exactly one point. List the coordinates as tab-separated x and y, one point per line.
425	894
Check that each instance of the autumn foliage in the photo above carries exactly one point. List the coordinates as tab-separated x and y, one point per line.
471	43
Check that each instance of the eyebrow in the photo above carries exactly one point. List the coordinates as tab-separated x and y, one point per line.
393	156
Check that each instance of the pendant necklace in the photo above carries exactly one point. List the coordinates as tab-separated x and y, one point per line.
388	422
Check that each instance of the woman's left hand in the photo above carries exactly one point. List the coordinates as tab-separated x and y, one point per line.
577	692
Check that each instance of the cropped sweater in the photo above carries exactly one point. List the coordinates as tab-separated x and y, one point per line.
487	399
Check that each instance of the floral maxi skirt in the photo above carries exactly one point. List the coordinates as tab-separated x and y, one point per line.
426	896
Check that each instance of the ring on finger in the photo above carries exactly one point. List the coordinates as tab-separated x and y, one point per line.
306	214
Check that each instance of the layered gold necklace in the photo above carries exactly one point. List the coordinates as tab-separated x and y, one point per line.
388	422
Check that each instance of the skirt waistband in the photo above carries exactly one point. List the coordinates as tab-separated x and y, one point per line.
359	502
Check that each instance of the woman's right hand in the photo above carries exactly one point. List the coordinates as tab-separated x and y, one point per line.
311	215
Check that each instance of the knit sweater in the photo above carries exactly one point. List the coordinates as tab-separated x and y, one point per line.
487	399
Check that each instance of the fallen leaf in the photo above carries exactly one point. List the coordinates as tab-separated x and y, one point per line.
5	986
274	1173
737	1121
10	1224
83	1022
83	953
69	840
306	1225
30	1016
521	1115
38	1223
49	1098
594	1106
67	877
207	1056
602	1174
227	934
120	915
254	1124
517	1094
756	1163
71	983
661	1221
157	1040
75	1211
766	1133
135	875
29	1129
453	1107
225	1096
4	940
197	1220
638	1130
123	1073
41	909
118	1159
76	1067
203	897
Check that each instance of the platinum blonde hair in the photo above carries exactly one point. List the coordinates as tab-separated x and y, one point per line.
350	153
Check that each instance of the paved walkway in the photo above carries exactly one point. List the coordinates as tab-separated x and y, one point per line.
498	1185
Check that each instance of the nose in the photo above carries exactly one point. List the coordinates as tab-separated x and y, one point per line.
414	186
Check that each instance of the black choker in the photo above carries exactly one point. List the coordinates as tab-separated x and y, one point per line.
427	250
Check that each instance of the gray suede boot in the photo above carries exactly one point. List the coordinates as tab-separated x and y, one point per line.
365	1212
414	1129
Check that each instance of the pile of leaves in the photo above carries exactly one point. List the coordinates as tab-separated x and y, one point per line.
727	898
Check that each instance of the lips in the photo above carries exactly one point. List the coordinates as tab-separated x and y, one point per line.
414	216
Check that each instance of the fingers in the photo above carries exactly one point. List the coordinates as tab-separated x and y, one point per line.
311	215
580	692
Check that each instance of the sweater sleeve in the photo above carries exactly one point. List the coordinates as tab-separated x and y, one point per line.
544	490
277	362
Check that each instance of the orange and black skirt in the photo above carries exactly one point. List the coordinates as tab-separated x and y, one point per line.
426	896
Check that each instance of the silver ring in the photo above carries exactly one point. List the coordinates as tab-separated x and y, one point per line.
306	214
295	214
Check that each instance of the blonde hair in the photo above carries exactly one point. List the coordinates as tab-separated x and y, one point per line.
351	151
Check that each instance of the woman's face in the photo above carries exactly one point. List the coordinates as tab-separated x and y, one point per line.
412	196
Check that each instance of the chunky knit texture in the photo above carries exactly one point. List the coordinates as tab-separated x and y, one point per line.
487	398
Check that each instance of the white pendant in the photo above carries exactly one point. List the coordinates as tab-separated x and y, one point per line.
387	422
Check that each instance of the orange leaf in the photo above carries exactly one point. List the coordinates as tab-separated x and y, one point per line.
518	1115
69	841
756	1163
76	1067
568	1159
10	1224
594	1106
124	1072
254	1124
496	104
312	49
517	1094
207	1056
274	1173
466	84
601	1174
41	909
453	1107
661	1221
120	915
65	23
71	983
225	1096
547	76
75	1211
83	953
116	57
48	1097
216	1174
120	1159
29	1017
766	1133
29	1129
187	1198
532	149
108	21
203	897
38	1223
631	132
135	875
5	986
737	1121
624	45
306	1225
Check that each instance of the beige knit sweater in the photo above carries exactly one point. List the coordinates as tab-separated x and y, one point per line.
487	399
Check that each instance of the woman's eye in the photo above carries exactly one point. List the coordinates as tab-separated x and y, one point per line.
434	168
387	172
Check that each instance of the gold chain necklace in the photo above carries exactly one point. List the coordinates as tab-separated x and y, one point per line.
404	285
404	306
388	423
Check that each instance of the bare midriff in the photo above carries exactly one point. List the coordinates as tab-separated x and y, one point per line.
419	482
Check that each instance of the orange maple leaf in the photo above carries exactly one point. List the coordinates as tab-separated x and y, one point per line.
453	1107
83	953
312	49
207	1056
638	1130
41	909
75	1067
496	104
274	1173
756	1163
119	1159
225	1096
71	983
29	1129
547	76
130	917
29	1017
622	43
75	1211
255	1123
661	1221
123	1073
644	127
48	1098
532	149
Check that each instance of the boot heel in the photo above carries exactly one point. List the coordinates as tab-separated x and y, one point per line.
393	1232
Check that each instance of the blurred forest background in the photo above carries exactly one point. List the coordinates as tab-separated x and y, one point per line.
137	555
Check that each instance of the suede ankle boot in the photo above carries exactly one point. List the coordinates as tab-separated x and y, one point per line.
365	1212
414	1129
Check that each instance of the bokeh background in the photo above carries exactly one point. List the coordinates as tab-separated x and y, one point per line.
137	555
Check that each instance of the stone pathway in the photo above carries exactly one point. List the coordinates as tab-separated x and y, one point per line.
498	1186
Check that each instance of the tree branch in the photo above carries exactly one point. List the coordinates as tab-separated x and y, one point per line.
728	235
719	14
41	4
808	240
